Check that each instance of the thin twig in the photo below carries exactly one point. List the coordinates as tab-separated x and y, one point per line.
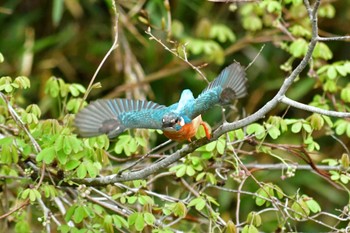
256	57
284	99
333	38
144	156
152	37
113	47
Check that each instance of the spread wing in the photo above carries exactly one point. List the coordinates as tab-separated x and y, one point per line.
112	117
229	85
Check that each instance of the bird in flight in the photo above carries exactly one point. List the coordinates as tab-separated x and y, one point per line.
179	121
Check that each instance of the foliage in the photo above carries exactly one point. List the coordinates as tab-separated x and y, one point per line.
287	172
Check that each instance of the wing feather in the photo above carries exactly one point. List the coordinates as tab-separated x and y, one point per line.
112	117
229	85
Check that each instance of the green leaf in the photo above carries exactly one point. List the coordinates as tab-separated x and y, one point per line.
271	6
198	203
67	147
190	171
298	47
344	178
257	129
254	219
222	33
341	126
231	227
300	31
22	227
132	199
107	224
220	146
70	213
81	171
316	121
307	128
296	127
143	200
239	133
345	94
250	229
6	141
25	193
331	72
334	175
79	214
179	209
322	51
327	11
52	88
300	208
119	221
22	82
149	218
47	155
210	146
180	170
313	206
262	195
137	220
273	131
32	195
345	161
62	157
252	23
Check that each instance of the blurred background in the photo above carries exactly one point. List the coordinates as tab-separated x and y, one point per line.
68	40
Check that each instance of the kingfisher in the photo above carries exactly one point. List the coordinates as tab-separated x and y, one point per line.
179	121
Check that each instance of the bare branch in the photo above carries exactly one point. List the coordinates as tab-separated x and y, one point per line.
334	38
280	166
113	47
309	108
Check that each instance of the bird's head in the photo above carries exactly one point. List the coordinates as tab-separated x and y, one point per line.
172	121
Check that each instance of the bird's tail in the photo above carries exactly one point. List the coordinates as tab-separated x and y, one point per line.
233	83
105	116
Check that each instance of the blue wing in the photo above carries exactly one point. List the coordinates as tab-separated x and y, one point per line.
229	85
112	117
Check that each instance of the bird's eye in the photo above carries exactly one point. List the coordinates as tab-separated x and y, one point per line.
176	120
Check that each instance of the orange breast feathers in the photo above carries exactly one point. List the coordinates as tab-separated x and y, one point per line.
188	130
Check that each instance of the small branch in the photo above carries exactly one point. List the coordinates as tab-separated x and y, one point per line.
280	166
46	212
113	47
334	38
238	204
20	123
309	108
24	204
144	156
152	37
256	57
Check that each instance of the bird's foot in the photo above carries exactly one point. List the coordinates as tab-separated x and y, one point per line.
207	129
